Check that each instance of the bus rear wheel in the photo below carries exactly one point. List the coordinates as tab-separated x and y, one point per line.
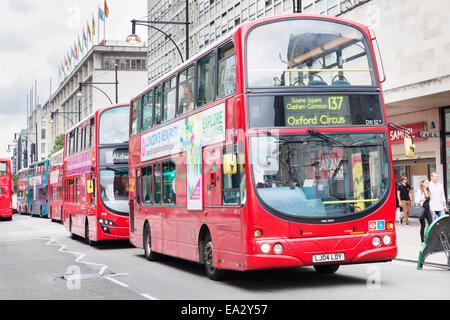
72	235
149	253
86	235
212	272
327	268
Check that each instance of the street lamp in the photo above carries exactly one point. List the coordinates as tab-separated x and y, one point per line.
91	84
133	38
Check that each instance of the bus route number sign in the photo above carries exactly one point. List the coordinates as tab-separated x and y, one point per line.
311	111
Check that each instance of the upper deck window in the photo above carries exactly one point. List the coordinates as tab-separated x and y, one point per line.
113	127
3	166
306	52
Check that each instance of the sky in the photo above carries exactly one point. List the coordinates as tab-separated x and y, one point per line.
35	36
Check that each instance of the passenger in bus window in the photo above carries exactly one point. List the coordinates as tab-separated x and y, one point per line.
186	98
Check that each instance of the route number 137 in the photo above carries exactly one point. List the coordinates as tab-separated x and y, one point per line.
335	103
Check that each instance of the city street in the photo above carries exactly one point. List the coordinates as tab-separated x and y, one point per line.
38	260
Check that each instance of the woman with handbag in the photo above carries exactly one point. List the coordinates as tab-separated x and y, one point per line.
422	198
405	196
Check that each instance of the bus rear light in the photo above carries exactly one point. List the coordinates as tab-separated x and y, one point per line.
376	241
265	248
278	248
387	240
258	233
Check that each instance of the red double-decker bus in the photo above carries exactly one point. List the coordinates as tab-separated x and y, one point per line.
22	191
6	209
95	176
268	149
55	177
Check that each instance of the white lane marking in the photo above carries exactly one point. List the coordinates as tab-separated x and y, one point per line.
147	296
80	255
116	281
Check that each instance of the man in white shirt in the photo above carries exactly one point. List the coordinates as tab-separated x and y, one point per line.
438	203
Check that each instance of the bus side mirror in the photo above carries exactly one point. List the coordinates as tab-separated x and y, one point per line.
229	164
90	186
409	147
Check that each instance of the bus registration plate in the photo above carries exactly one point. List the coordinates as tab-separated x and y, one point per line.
328	257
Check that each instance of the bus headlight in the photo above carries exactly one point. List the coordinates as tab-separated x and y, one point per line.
265	248
376	241
387	240
278	248
106	222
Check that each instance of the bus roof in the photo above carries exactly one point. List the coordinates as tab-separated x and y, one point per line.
123	104
38	162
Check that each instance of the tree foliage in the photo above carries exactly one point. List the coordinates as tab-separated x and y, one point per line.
59	144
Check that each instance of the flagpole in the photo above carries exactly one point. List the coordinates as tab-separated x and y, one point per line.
98	23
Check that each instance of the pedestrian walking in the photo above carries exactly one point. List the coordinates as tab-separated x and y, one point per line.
405	196
438	203
398	208
422	198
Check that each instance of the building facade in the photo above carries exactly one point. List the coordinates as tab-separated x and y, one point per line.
68	105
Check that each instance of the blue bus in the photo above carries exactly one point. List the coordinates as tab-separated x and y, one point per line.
38	188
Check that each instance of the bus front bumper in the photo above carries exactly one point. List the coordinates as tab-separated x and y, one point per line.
112	233
300	252
6	214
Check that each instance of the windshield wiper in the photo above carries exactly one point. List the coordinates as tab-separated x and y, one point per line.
117	169
315	133
355	145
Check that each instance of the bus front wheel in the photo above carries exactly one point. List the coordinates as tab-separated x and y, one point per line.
212	272
327	268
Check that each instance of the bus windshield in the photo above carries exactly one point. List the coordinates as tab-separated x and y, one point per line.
320	175
112	129
307	52
3	171
114	190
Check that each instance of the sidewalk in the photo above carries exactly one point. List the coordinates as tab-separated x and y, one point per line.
408	242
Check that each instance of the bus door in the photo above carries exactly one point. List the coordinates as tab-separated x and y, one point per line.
90	195
212	176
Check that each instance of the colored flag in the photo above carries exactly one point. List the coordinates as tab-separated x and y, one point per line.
106	9
70	61
93	25
89	32
76	49
101	14
85	39
79	45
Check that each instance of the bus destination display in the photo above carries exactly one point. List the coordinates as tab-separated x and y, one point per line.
310	111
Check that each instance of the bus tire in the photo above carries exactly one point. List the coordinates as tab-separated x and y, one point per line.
72	235
87	239
147	244
62	216
327	268
212	272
